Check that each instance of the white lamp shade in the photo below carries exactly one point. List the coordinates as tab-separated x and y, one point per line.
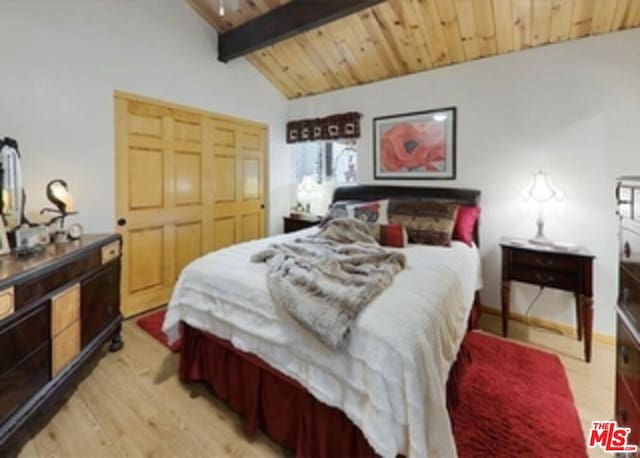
541	190
307	189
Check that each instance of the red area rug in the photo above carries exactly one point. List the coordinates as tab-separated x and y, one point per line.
514	400
152	324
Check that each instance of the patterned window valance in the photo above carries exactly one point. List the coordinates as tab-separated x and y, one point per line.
345	125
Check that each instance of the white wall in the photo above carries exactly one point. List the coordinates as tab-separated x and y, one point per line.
571	109
61	62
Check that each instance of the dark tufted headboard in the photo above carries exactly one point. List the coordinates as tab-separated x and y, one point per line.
365	193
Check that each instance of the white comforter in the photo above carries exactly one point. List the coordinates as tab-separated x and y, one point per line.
390	380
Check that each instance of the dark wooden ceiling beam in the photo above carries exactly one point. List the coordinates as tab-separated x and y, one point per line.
291	19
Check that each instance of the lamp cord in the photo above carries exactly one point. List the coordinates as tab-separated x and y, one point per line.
533	302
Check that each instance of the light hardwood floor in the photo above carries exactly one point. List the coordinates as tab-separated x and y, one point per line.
132	404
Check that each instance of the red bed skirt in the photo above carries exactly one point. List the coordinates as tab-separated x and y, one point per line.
277	404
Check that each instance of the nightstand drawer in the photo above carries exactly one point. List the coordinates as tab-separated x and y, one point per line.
545	277
545	261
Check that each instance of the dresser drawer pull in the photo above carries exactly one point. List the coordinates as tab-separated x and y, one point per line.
545	278
627	250
624	416
545	262
624	353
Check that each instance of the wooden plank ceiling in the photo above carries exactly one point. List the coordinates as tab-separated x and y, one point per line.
399	37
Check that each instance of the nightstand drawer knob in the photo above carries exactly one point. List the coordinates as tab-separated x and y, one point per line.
545	278
627	250
544	262
624	354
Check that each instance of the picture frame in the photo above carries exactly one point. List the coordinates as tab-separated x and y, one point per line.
419	145
5	248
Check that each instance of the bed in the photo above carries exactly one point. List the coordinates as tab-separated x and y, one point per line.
384	394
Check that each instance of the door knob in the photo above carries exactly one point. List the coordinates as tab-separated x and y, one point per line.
262	206
122	222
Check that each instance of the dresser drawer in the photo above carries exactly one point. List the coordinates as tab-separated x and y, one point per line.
110	252
545	277
100	301
46	283
630	250
545	261
628	360
6	303
23	381
21	338
629	295
65	309
627	413
64	347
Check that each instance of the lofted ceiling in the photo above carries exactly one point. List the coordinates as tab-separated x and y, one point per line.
399	37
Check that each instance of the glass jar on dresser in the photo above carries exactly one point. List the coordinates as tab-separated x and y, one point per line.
627	408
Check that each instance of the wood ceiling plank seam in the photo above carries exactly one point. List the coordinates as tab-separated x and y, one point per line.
408	14
311	69
413	11
348	57
504	31
382	15
274	76
467	24
451	28
633	14
387	53
485	28
338	68
620	15
561	15
603	14
435	34
541	22
324	66
349	38
295	67
398	33
374	49
521	14
582	18
269	58
330	51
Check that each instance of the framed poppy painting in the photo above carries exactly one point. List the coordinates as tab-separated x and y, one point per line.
415	146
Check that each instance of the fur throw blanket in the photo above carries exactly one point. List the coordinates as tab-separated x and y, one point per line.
324	281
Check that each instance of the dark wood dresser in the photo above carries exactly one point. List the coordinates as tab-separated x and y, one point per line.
628	309
57	309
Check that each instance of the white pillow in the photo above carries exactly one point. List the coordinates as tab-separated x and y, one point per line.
375	211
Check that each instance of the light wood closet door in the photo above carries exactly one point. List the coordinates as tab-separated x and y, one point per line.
238	153
187	183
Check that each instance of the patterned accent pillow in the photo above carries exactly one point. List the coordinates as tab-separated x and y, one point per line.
370	212
393	235
429	222
337	210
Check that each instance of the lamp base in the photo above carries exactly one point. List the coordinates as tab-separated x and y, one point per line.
540	241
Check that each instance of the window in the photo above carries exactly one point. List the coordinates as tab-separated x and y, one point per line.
330	164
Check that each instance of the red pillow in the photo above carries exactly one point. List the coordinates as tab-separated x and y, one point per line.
393	235
465	223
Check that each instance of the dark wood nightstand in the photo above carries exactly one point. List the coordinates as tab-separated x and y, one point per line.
297	223
549	267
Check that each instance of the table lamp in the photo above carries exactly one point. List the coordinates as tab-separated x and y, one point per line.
307	191
542	192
